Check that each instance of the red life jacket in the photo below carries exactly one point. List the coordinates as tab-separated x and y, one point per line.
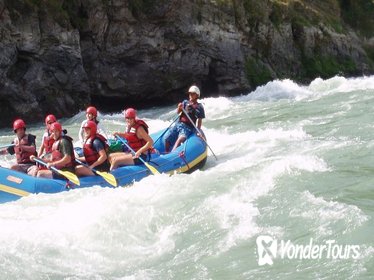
57	155
190	111
90	154
48	142
134	142
21	155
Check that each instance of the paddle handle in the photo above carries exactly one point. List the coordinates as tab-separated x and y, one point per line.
128	146
163	133
85	164
7	146
39	160
198	130
68	175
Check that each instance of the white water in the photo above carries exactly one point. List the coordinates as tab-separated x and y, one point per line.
294	162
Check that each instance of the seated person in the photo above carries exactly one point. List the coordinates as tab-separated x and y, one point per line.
95	151
138	139
24	147
62	154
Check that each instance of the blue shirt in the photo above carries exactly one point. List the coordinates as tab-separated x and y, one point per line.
97	145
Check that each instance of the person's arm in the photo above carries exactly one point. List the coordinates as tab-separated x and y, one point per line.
100	160
100	148
9	150
62	162
41	149
182	105
81	132
142	134
120	134
67	150
179	108
29	148
81	158
200	115
199	123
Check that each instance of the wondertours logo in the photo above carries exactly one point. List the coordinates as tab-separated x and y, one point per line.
269	249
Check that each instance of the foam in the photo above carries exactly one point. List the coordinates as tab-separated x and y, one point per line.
328	214
163	222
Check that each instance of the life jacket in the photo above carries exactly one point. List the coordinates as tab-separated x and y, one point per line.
90	154
48	142
134	142
57	155
191	111
21	155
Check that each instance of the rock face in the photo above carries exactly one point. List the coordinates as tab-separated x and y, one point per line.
41	67
59	56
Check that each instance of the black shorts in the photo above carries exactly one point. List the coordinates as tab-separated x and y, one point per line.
137	161
58	176
103	167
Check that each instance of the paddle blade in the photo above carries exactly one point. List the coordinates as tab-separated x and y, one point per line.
108	177
152	169
71	176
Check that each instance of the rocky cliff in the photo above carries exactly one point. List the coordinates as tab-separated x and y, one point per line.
57	56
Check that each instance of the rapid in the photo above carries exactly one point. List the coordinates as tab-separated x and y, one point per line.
295	162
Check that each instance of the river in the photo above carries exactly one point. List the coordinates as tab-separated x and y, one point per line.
295	165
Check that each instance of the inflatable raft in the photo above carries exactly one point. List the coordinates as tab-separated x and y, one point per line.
191	155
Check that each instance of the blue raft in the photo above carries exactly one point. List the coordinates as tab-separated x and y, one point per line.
191	155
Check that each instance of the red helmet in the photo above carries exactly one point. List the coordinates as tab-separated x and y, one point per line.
18	124
91	125
92	110
130	113
56	126
50	119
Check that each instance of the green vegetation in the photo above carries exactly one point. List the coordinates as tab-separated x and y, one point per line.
278	14
137	7
255	11
359	14
327	66
370	53
256	72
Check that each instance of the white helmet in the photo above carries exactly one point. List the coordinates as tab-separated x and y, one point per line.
194	89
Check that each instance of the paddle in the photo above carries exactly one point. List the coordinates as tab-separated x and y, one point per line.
107	176
7	146
198	130
150	167
163	133
68	175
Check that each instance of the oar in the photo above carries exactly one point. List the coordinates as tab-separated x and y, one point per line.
198	130
68	175
107	176
150	167
7	146
163	133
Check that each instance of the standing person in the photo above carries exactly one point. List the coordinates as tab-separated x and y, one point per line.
95	151
47	139
24	147
62	153
91	115
184	128
138	139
